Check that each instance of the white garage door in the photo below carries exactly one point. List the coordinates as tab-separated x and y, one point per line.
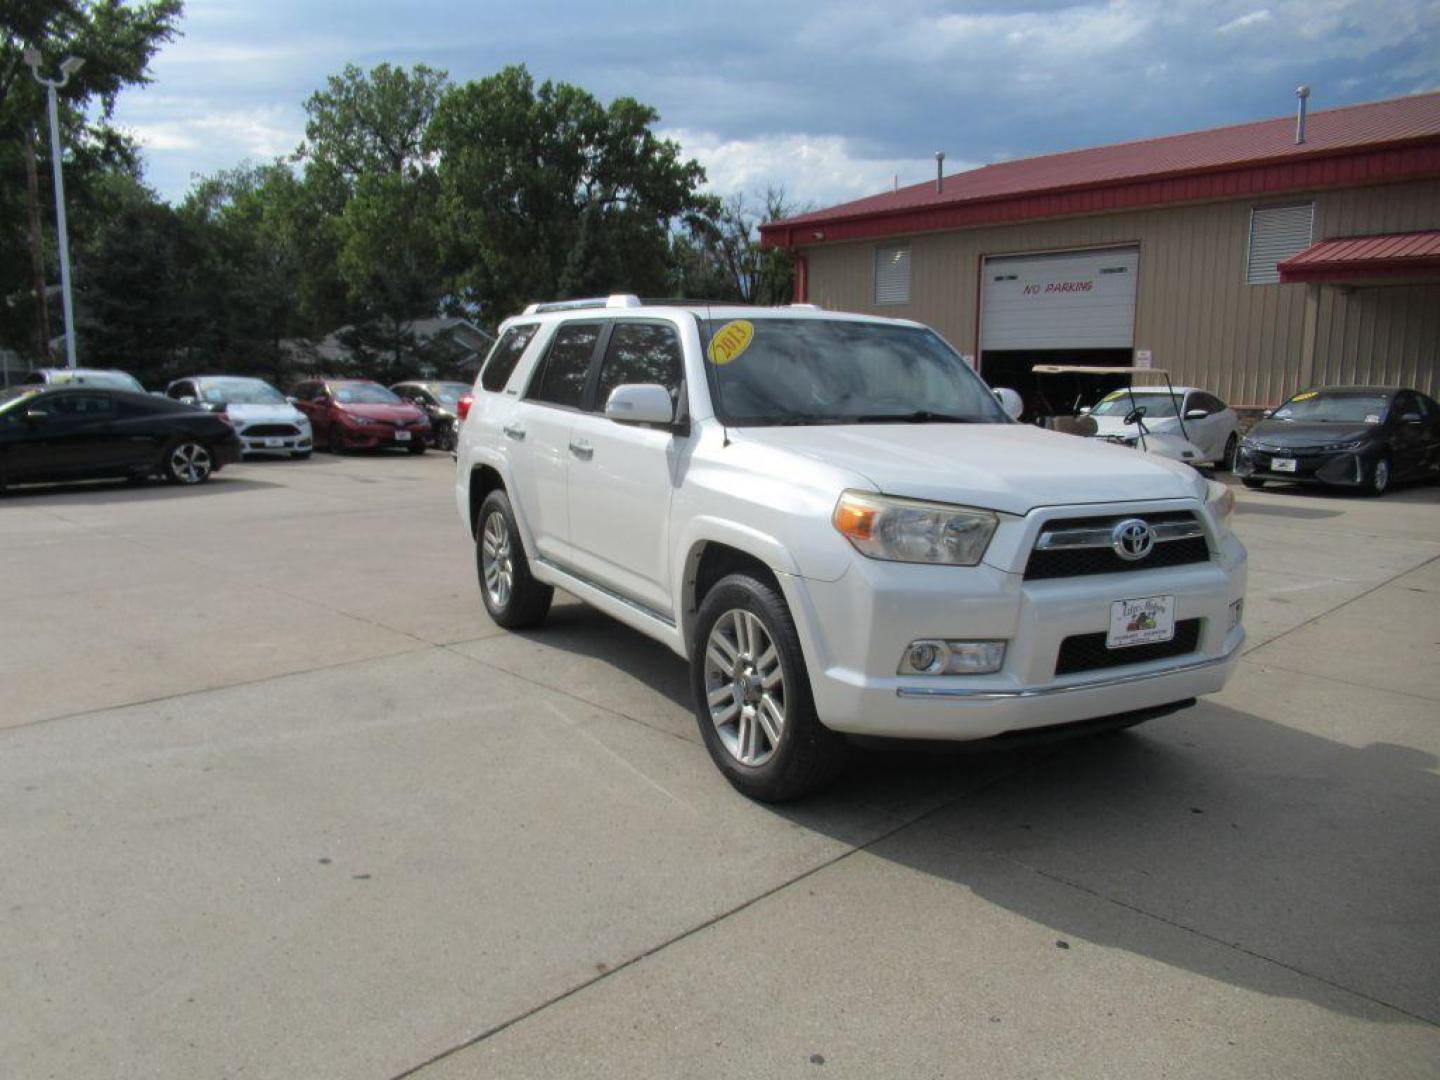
1071	300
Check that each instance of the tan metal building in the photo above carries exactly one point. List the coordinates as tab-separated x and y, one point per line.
1240	259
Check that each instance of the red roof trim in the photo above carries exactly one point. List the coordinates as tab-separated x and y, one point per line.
1351	258
1373	165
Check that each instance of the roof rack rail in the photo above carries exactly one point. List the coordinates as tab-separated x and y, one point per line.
614	300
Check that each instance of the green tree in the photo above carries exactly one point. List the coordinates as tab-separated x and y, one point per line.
545	192
719	257
117	42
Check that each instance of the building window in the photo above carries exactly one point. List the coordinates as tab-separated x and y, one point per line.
1276	233
892	275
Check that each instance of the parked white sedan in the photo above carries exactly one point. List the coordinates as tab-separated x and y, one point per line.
1184	412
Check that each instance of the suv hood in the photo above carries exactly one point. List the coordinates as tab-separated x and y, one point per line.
1013	468
408	414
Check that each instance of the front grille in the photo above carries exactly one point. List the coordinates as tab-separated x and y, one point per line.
271	431
1081	561
1087	652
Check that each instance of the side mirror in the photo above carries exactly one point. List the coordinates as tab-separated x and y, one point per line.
1411	417
640	403
187	400
1197	414
1085	410
1267	414
1010	401
36	416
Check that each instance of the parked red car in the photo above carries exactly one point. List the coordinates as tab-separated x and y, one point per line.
357	414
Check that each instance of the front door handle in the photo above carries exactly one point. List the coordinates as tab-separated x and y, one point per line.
582	449
515	431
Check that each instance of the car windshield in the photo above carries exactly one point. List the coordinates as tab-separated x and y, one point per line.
364	394
115	380
450	393
240	392
1335	407
1157	406
837	371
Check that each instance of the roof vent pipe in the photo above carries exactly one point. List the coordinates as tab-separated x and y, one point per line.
1303	93
939	171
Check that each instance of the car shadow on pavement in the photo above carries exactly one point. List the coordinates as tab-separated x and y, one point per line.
1212	841
1416	492
1301	513
121	491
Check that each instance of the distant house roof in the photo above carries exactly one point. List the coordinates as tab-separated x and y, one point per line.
1359	259
1375	142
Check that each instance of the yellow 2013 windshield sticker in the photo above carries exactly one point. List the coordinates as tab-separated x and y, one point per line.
730	341
1305	396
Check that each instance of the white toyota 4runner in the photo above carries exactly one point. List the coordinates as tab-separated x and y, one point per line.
834	520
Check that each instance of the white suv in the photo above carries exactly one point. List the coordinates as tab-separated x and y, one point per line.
838	525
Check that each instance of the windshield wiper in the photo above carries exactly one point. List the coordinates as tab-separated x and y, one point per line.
919	416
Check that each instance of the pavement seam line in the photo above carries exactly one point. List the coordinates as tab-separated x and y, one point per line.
1233	945
1343	604
1342	682
715	920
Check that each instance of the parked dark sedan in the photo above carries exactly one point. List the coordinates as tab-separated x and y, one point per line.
441	401
1364	437
83	432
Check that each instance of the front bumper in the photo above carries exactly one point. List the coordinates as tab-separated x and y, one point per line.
299	443
1343	468
367	438
854	631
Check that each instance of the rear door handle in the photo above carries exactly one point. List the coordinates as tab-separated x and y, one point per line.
515	431
582	449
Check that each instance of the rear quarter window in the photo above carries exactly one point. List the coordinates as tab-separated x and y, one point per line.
506	354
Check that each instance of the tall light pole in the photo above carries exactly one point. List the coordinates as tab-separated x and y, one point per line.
68	67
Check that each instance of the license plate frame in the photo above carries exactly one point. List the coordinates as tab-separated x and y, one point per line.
1141	620
402	436
272	442
1283	464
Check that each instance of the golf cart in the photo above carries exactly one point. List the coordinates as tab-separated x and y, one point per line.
1121	417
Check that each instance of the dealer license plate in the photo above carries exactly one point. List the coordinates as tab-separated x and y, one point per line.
274	442
402	436
1141	621
1282	464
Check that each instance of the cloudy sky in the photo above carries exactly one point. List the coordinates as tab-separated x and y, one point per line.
830	99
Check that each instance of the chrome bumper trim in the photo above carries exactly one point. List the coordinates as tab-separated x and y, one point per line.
971	694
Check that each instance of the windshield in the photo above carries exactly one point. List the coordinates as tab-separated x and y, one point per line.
450	393
833	371
1335	407
364	394
1157	406
240	392
115	380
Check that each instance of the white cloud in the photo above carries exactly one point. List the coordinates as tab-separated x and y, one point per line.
1242	21
819	169
259	132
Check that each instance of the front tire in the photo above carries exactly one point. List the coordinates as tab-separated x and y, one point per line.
334	441
188	462
512	596
1252	483
1378	482
416	448
752	695
1227	457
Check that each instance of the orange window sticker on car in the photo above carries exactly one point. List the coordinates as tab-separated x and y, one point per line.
730	341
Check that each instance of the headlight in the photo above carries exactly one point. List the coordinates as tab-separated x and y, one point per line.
1220	500
1355	445
906	530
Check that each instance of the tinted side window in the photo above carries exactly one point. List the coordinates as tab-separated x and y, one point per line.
1406	402
1207	402
561	380
80	407
505	356
640	353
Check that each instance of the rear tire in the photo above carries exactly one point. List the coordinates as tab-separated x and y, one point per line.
512	596
752	695
187	462
1227	458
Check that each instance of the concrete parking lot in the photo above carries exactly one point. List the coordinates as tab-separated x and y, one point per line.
278	800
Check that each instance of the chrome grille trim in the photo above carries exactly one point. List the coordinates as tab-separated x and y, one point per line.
1100	536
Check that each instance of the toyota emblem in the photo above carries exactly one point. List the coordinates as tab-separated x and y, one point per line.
1132	539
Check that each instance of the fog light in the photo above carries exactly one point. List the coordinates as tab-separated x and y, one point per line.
1237	612
931	657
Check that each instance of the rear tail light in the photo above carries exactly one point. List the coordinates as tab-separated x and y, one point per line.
462	407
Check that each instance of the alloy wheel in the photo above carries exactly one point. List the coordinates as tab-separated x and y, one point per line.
745	687
190	463
496	560
1381	477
